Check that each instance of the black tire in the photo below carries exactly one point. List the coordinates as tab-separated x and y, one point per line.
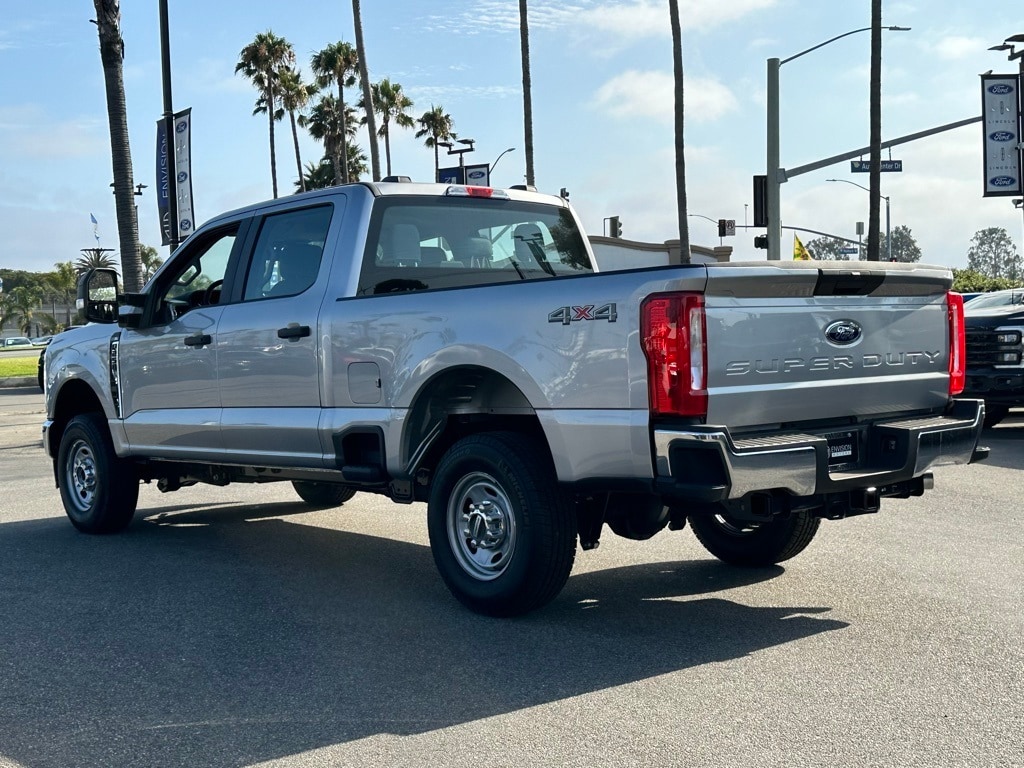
994	414
754	544
323	494
99	490
502	533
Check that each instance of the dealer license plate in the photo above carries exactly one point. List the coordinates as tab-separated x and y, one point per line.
842	448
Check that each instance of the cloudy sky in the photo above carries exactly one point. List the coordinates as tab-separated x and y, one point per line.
602	100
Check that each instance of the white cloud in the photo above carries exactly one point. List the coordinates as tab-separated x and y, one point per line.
649	94
27	131
647	18
956	47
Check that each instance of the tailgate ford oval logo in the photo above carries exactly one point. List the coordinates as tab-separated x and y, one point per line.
843	333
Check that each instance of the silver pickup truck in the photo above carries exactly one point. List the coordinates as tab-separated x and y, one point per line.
455	346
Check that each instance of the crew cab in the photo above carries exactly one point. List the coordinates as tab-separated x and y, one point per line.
456	346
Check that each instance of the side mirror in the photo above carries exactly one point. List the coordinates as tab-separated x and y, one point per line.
98	294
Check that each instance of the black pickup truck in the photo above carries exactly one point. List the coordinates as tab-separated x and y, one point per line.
995	346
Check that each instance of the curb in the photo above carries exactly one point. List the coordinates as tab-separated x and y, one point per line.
19	381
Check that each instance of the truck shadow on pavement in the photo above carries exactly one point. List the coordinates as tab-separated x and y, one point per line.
227	637
1007	444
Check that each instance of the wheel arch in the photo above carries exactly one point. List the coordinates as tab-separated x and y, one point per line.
74	397
458	402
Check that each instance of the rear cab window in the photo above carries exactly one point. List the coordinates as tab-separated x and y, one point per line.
418	243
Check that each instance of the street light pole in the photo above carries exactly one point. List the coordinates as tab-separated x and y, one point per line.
888	219
776	176
492	165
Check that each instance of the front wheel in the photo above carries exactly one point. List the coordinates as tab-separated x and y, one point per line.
99	490
754	544
502	534
323	494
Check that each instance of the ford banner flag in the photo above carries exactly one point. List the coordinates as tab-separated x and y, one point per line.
174	176
1000	111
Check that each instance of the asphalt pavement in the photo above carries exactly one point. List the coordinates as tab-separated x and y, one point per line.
234	627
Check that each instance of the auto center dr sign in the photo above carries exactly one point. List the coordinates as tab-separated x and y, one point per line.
1000	111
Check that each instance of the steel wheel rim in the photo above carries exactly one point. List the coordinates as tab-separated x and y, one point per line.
481	526
82	477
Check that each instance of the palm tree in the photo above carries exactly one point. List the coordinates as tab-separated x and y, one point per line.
295	96
22	303
524	47
390	101
436	125
677	60
326	123
262	61
337	63
108	25
95	258
364	77
321	175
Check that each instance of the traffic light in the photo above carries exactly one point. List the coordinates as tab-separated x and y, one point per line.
761	241
614	227
760	201
722	227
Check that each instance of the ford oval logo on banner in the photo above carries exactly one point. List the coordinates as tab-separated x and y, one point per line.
843	333
1001	136
1000	89
1002	181
476	174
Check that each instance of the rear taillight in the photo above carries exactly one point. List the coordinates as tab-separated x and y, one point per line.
957	343
674	333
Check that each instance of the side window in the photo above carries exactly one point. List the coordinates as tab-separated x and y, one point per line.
288	253
197	281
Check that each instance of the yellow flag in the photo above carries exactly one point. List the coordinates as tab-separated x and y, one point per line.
799	252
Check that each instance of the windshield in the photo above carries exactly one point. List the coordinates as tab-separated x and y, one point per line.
997	299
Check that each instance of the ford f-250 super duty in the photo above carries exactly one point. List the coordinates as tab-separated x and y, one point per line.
454	345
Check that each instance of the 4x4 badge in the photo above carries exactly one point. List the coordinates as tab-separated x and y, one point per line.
566	315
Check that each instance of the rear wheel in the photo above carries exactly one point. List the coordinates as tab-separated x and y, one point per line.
754	544
502	533
99	490
323	494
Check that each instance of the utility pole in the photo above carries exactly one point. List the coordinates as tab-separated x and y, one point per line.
876	129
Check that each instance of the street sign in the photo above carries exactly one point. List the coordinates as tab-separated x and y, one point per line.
848	251
726	227
886	166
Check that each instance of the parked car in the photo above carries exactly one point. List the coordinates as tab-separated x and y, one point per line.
994	326
41	341
14	342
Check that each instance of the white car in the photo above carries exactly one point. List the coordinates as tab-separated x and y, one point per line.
16	341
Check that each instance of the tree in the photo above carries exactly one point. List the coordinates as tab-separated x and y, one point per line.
992	253
436	125
970	281
364	77
524	48
321	175
21	306
391	103
827	249
151	261
108	25
95	258
337	64
904	246
295	96
677	61
262	61
333	126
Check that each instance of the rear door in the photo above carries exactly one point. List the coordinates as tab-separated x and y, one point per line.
268	346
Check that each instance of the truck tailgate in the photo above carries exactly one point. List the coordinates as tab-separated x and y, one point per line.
795	342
